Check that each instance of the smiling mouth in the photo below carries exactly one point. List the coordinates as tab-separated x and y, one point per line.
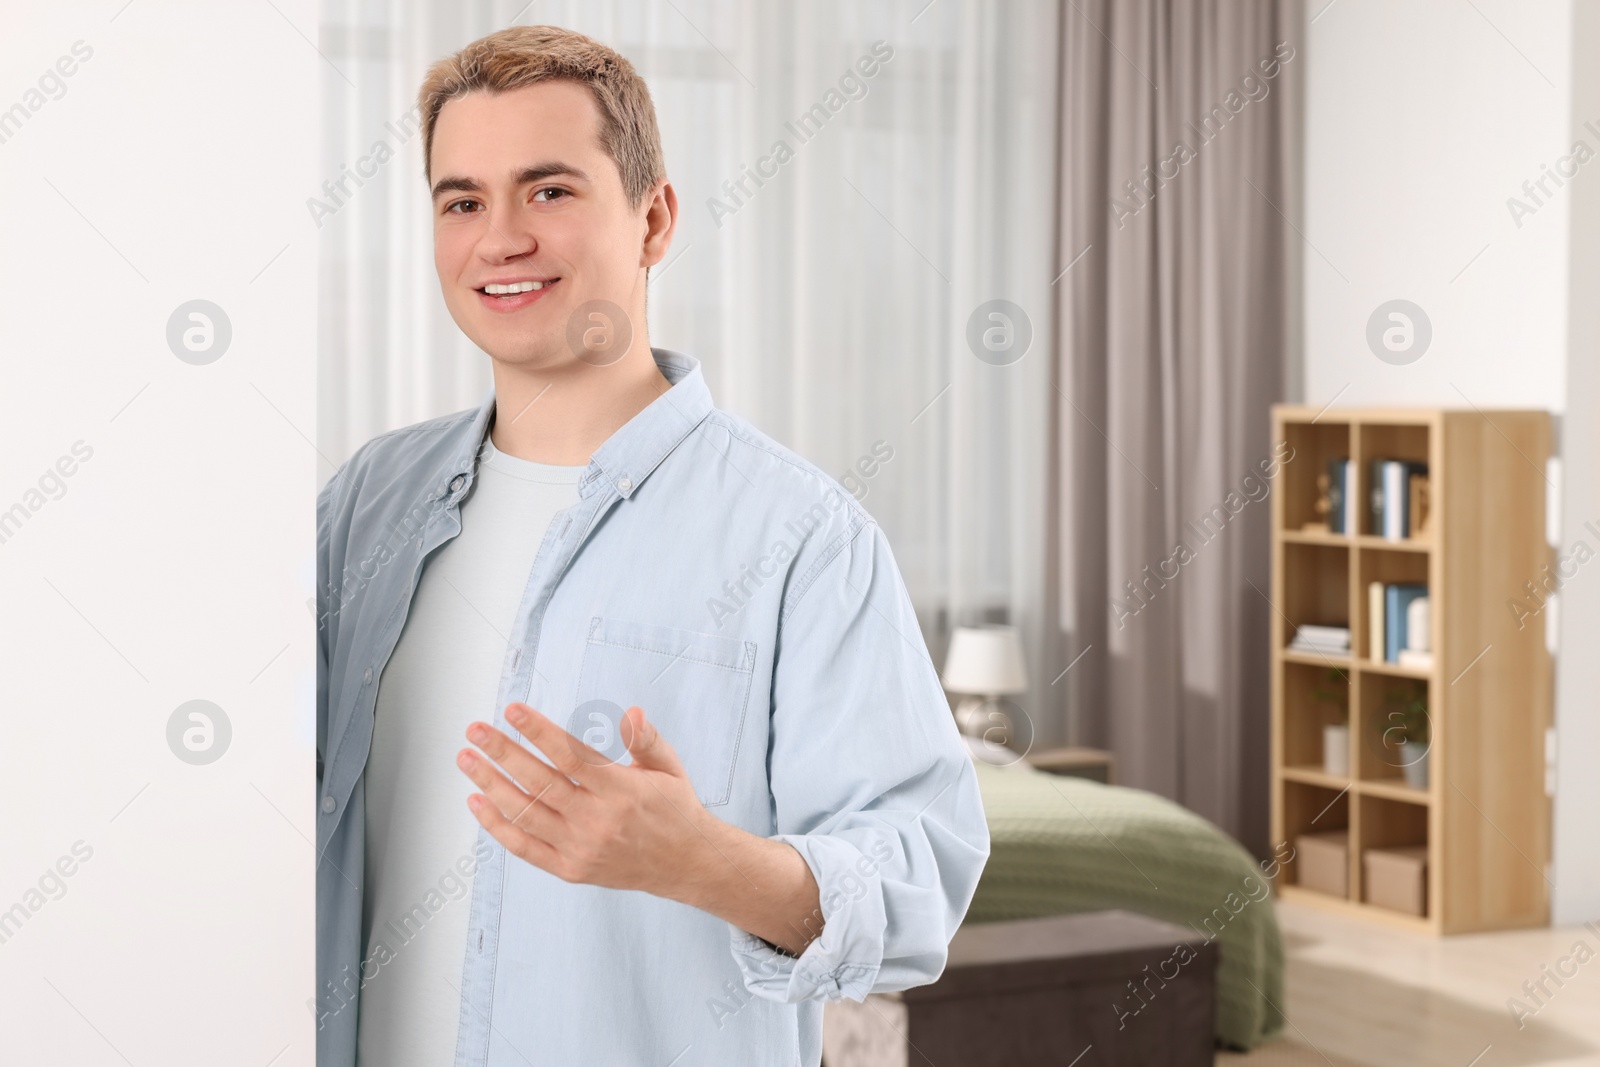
516	289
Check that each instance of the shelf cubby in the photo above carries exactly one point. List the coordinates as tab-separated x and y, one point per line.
1378	757
1320	593
1312	694
1403	441
1313	444
1313	809
1388	822
1387	565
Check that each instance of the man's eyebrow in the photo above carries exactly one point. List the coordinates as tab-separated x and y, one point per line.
538	172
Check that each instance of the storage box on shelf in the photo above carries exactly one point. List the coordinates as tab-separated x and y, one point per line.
1397	878
1449	832
1324	862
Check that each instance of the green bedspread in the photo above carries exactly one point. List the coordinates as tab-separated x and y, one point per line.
1062	845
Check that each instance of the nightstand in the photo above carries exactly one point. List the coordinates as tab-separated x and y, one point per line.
1091	763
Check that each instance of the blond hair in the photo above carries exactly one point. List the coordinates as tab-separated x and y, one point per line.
525	55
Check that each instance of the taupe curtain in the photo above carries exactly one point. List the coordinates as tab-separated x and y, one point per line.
1179	170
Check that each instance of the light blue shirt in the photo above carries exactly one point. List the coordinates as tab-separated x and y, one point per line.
753	609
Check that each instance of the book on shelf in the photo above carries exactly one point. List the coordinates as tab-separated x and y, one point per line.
1341	496
1321	640
1375	621
1417	637
1399	499
1397	621
1397	599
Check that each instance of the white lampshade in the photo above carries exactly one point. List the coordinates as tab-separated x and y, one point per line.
985	660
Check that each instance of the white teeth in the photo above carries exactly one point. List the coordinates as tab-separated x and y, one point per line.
514	287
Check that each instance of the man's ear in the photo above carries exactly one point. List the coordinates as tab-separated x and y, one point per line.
660	221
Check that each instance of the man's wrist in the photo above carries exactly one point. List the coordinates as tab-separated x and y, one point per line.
763	887
701	868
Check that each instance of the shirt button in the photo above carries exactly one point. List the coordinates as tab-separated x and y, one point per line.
328	805
455	483
624	484
366	676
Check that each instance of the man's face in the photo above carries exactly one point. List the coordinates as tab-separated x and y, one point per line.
524	192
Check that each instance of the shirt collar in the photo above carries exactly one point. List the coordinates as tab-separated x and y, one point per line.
629	455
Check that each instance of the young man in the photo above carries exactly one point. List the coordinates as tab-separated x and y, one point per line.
630	750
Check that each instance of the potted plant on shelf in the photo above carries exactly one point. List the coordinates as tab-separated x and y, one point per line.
1411	734
1336	735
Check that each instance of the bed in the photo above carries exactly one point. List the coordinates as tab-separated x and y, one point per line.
1061	844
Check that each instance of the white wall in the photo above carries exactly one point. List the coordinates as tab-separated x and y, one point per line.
157	524
1422	121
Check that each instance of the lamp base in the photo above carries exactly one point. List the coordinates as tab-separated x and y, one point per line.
985	718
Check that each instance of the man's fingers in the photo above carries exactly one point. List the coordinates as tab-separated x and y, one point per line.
520	809
536	777
577	760
518	842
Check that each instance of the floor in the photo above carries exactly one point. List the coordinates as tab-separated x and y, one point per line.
1363	995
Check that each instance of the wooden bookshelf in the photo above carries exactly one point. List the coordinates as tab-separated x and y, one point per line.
1484	817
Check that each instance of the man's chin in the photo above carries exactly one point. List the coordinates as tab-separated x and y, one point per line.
533	353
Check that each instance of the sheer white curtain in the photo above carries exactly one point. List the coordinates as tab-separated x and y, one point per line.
830	304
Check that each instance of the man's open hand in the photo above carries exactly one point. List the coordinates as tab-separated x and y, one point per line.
589	819
639	826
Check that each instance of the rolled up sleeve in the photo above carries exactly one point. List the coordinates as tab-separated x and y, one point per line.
871	784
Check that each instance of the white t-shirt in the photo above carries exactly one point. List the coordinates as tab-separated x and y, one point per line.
443	675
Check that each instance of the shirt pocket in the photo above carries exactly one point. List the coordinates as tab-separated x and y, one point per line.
693	686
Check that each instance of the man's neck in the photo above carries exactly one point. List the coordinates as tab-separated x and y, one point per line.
561	416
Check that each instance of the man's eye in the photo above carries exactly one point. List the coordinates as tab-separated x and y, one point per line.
553	192
459	203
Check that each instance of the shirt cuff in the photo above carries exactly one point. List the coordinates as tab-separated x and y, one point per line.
842	962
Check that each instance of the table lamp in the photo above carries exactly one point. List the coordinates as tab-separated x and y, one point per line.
983	664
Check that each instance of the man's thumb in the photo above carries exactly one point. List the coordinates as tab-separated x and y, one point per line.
646	744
